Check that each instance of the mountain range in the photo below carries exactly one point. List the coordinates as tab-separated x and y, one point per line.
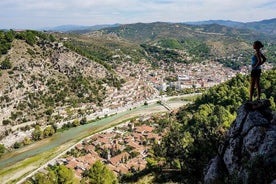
264	26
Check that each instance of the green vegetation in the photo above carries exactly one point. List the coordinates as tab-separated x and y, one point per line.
196	47
2	149
270	53
60	174
173	50
6	64
53	175
80	48
5	41
170	43
99	174
159	54
167	42
31	36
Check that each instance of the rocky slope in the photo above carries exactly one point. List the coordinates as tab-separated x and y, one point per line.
249	153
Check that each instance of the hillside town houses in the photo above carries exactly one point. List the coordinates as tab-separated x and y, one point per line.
122	148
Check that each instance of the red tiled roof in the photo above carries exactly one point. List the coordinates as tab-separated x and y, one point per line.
69	158
72	164
121	169
117	159
81	159
89	147
79	146
153	136
78	173
133	144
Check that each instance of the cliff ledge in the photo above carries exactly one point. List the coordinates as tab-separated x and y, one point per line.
248	154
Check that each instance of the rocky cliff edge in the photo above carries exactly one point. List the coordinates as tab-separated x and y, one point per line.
248	154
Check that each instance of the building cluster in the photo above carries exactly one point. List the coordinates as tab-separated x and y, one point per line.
195	75
123	149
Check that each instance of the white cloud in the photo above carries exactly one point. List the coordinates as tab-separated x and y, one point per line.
40	13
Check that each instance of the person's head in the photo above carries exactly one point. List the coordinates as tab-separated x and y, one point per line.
258	45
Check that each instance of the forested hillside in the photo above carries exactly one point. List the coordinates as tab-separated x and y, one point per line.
171	41
264	26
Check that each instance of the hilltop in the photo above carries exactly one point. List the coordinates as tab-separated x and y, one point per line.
227	45
263	26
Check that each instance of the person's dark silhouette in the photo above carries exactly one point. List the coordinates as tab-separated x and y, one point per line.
257	60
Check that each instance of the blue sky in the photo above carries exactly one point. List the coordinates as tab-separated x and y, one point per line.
34	14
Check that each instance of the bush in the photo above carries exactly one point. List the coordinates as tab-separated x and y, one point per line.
6	64
6	122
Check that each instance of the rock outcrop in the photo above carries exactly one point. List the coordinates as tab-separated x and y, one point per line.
248	154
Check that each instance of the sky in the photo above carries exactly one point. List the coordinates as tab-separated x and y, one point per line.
36	14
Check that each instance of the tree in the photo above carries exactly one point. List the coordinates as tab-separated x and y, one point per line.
100	174
40	178
49	111
76	123
83	121
10	35
65	175
2	149
27	141
6	122
37	134
48	131
45	178
6	64
30	38
16	145
176	145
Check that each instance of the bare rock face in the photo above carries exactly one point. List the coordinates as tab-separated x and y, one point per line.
248	155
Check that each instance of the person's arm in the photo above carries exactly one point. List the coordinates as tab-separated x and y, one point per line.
263	58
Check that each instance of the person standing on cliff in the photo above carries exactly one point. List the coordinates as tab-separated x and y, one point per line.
257	60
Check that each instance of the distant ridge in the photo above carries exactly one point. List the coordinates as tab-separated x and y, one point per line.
220	22
267	26
79	28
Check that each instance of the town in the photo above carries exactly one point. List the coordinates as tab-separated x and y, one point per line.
122	148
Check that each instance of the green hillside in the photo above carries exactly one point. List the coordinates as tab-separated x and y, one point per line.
232	47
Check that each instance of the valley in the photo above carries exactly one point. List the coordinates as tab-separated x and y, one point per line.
56	89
